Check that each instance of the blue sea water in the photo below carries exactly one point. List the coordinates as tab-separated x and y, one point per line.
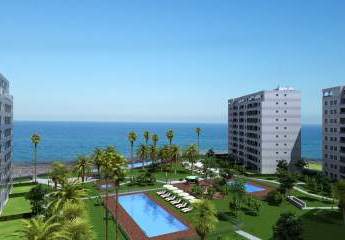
66	140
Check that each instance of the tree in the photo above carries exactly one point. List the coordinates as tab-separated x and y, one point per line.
132	137
191	153
170	136
142	153
37	199
114	165
41	229
210	153
35	139
164	154
96	157
154	153
69	192
237	190
79	229
339	192
83	166
287	182
204	218
58	174
274	198
198	132
175	154
155	139
288	227
282	167
146	137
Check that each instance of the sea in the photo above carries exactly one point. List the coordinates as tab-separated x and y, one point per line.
64	141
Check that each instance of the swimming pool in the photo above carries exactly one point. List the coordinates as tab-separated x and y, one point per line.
139	164
250	188
151	218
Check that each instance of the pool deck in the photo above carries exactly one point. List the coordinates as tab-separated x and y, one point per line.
134	231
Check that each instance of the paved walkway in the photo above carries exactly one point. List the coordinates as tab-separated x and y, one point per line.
247	235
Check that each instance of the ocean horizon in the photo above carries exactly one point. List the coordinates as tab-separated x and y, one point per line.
64	141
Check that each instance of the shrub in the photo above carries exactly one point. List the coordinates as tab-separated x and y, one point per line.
274	198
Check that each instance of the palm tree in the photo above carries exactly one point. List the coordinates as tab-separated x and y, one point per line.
142	153
205	218
79	229
132	137
58	174
154	153
339	192
175	155
146	136
198	132
170	135
114	166
164	154
96	157
191	153
41	229
155	139
72	192
35	139
83	166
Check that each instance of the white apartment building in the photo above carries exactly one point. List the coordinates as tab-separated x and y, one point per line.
333	130
6	131
265	127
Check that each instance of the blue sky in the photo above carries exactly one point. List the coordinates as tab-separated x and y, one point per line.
172	61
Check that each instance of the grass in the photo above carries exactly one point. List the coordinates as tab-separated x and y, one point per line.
315	166
9	229
22	189
96	216
17	205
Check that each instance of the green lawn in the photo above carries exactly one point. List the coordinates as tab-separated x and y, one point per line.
22	189
17	205
9	229
96	216
314	166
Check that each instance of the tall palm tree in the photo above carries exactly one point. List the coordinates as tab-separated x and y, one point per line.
204	218
155	139
58	174
191	153
142	153
154	153
132	137
35	139
164	155
79	229
83	166
114	165
96	157
198	132
175	155
170	135
41	229
146	136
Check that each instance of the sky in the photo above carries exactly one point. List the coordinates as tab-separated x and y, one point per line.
166	61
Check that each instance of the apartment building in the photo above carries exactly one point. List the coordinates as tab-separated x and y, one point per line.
6	116
333	129
265	127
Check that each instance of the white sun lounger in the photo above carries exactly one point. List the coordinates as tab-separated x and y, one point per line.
166	195
182	205
178	201
185	210
170	198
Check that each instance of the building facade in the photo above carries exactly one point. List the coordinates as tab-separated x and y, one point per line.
265	127
6	133
333	130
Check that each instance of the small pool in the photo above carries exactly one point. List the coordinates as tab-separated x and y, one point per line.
250	188
151	218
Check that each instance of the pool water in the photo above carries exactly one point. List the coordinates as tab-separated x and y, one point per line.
139	164
151	218
250	188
